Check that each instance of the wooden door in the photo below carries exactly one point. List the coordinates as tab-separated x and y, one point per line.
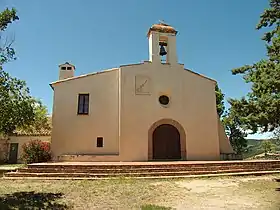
13	154
166	143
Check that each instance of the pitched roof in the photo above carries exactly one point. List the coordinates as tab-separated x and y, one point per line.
41	132
201	75
113	69
31	131
82	76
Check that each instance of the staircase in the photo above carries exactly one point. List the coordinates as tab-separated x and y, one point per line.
105	170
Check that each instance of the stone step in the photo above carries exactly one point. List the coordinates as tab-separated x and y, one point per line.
157	166
94	170
154	164
118	170
141	174
258	173
150	166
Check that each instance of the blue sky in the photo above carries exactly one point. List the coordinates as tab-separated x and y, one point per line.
214	37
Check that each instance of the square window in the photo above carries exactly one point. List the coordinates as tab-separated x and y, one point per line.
99	142
69	68
63	68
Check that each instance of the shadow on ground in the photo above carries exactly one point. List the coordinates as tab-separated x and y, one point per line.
278	188
31	200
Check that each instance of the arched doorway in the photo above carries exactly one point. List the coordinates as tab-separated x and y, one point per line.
166	143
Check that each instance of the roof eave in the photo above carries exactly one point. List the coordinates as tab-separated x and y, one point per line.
82	76
202	76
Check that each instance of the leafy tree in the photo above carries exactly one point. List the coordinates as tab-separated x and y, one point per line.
41	121
16	104
234	132
260	110
219	101
7	53
276	136
267	146
17	108
232	124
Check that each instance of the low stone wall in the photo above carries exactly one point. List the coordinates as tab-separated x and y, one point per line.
230	156
20	140
4	149
88	158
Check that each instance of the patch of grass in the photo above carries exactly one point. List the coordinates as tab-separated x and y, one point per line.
11	166
154	207
230	192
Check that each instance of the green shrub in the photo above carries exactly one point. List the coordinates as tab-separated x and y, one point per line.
36	151
154	207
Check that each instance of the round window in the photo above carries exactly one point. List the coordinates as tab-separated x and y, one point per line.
164	100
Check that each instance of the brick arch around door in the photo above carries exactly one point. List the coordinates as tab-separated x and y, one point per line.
166	141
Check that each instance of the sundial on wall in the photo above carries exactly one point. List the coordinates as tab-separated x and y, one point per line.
142	84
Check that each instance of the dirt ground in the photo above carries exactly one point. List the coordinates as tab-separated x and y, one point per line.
230	193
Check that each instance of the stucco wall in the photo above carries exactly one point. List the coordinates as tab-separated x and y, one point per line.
192	104
124	119
76	134
25	139
225	146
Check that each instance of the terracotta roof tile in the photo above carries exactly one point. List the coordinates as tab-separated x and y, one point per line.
163	28
34	132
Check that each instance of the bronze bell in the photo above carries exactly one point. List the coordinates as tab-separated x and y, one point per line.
162	51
